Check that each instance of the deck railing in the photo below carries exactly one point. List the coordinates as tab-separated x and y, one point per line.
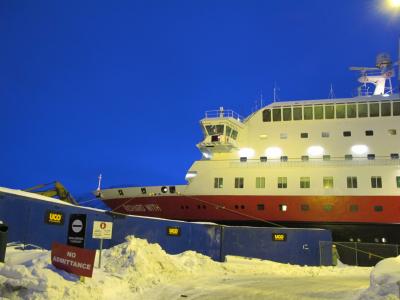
221	113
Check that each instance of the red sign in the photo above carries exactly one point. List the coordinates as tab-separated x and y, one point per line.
74	260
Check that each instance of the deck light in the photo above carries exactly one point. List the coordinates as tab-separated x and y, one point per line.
315	151
273	152
246	152
359	149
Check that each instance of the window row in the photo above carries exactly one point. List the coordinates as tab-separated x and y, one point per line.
304	182
332	111
326	157
215	130
326	134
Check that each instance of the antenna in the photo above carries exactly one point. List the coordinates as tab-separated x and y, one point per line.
261	99
331	93
98	190
276	89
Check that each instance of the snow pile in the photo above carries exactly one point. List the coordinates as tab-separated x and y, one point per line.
137	269
384	280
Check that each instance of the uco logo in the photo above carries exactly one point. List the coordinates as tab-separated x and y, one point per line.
54	217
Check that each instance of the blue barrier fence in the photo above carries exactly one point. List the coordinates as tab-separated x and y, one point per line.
27	218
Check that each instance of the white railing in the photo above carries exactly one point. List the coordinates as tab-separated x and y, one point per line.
212	114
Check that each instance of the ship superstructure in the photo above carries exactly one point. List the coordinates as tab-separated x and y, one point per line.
330	163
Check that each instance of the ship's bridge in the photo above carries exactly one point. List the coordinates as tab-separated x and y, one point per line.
221	129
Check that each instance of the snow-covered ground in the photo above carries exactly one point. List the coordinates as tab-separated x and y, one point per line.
139	270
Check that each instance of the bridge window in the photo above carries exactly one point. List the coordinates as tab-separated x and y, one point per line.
215	129
318	112
327	182
374	109
297	113
308	112
260	182
287	114
304	182
267	115
396	108
340	111
362	110
329	112
228	131
218	182
239	182
376	182
386	109
234	134
276	114
351	182
351	110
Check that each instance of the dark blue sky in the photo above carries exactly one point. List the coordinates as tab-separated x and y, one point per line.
118	87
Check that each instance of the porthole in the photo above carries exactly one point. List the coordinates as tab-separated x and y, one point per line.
164	189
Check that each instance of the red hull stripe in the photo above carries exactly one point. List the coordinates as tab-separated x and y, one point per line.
359	209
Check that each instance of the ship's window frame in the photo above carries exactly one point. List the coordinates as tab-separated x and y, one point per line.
218	182
217	129
326	157
260	206
376	182
327	182
260	182
267	115
282	182
239	182
394	156
297	113
351	110
374	109
243	159
346	133
283	207
304	207
378	208
121	192
308	112
340	111
276	114
318	112
234	134
305	158
284	158
228	131
386	109
328	207
285	115
305	182
325	134
353	208
362	110
396	108
398	182
371	156
348	157
304	135
352	182
329	111
369	132
392	131
263	159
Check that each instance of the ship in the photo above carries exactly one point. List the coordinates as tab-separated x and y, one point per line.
330	163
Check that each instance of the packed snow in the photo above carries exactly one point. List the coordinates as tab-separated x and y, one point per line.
137	269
